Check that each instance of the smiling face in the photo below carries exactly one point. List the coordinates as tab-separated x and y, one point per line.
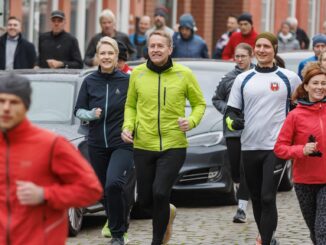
107	57
159	49
264	52
13	28
316	88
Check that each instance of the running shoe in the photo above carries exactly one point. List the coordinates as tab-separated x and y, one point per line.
168	232
240	216
117	241
125	237
106	231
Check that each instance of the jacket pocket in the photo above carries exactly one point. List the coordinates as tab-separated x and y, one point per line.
164	96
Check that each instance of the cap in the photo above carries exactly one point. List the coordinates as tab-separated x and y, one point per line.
318	38
16	85
246	17
186	20
58	14
122	51
161	11
269	36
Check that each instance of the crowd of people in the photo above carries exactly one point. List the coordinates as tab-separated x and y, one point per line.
137	124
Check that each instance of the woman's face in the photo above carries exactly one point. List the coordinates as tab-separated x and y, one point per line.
159	50
242	58
107	58
316	88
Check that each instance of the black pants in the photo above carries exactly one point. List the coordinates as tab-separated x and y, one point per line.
262	173
113	167
156	173
234	152
312	200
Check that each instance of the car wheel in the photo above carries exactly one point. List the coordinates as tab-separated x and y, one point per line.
75	220
286	182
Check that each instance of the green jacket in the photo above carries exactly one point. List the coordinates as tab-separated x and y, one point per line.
156	101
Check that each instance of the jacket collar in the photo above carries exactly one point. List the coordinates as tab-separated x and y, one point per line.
265	69
159	69
18	130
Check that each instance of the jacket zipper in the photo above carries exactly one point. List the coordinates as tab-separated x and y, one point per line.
164	95
8	189
105	114
159	110
321	121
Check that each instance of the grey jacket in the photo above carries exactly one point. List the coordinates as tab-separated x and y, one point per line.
221	97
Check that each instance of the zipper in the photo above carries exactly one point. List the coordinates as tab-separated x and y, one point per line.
136	129
164	95
159	110
321	121
7	189
106	114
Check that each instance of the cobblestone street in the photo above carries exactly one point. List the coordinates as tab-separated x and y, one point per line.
208	225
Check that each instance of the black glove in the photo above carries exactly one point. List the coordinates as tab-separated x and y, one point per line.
312	139
234	119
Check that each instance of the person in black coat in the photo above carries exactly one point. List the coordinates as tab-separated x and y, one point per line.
15	51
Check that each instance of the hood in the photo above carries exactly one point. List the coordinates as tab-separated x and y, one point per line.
186	20
306	104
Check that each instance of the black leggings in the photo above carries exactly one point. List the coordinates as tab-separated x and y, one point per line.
113	168
156	173
262	173
234	152
312	200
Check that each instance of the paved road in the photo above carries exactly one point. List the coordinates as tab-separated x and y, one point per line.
208	225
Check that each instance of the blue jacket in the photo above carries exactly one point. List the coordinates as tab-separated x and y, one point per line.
108	92
304	62
194	47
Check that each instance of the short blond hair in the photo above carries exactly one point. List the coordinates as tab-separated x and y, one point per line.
164	34
110	41
107	13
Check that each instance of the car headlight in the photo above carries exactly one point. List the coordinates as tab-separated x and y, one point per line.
206	139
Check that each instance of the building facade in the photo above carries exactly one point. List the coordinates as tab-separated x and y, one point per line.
210	15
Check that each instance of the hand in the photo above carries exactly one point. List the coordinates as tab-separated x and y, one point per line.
309	148
234	124
29	193
126	136
52	63
183	124
98	112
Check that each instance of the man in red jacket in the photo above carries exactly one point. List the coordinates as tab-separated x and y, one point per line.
247	34
41	174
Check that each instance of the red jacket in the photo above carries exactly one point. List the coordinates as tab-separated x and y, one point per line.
32	154
302	122
235	39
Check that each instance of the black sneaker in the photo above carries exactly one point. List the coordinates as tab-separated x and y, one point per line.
117	241
240	216
275	241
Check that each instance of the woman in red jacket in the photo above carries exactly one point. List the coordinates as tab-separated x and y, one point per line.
303	138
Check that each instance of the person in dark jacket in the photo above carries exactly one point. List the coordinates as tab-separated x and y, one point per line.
243	56
300	34
186	43
15	51
58	48
101	102
108	23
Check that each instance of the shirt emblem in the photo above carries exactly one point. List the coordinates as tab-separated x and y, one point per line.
275	86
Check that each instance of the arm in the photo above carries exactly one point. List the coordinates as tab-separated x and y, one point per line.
130	111
76	60
31	54
90	52
228	50
219	99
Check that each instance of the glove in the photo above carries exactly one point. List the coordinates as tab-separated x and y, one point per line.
312	139
234	124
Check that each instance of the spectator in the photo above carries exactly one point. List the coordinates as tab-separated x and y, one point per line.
318	45
108	25
322	61
57	48
243	56
301	35
15	51
138	39
302	138
247	34
160	16
186	43
42	173
258	104
122	59
286	39
231	26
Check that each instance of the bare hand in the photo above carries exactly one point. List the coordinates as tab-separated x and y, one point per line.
52	63
29	193
309	148
126	136
98	112
183	124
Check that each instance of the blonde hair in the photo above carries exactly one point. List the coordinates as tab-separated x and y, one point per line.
164	34
110	41
107	13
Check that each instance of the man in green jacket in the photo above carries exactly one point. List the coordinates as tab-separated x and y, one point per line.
155	123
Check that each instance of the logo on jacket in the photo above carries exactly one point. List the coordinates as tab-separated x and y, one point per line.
117	92
275	86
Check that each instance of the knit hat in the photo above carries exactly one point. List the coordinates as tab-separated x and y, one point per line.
161	12
269	36
318	38
122	51
16	85
246	17
186	20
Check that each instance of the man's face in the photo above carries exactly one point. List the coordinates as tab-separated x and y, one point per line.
12	111
231	24
285	29
245	27
185	32
318	48
264	52
159	50
107	26
13	28
144	24
57	24
159	21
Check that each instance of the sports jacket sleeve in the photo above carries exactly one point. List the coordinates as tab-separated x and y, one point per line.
77	184
219	99
196	99
90	51
130	111
284	147
228	50
76	60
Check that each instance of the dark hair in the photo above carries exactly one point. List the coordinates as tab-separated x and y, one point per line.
279	61
311	69
245	46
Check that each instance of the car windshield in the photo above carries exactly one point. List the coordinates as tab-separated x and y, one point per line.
52	102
